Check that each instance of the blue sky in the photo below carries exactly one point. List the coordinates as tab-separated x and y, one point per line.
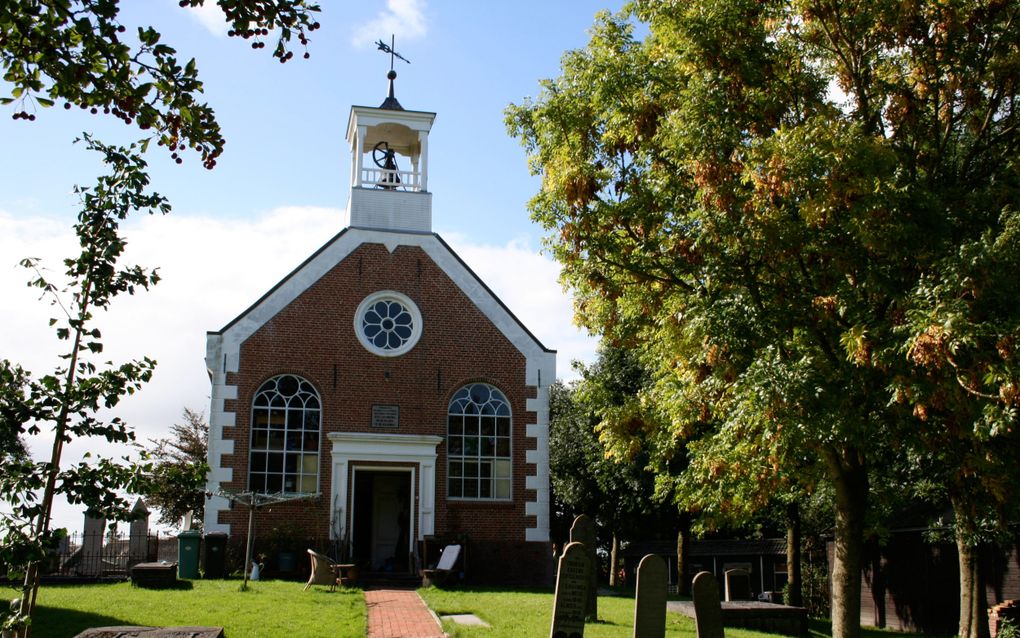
278	191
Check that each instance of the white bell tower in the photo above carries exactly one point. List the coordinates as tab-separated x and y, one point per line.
389	167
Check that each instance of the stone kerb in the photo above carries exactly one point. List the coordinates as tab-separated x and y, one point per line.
570	602
707	607
583	531
650	598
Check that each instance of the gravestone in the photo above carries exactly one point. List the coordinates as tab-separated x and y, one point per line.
138	537
650	598
738	584
707	608
92	546
571	601
152	632
583	531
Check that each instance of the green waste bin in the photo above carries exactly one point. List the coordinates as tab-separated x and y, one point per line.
215	555
187	554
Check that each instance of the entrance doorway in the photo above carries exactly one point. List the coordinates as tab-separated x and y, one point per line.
381	520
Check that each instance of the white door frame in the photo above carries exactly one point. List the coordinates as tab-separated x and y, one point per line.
368	448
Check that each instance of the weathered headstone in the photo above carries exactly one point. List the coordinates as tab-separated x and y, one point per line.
570	603
583	531
707	608
92	546
138	537
650	598
738	584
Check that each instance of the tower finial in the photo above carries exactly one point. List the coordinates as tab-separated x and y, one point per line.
391	101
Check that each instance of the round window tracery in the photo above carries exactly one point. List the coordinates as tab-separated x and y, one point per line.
387	323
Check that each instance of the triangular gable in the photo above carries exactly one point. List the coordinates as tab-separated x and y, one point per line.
223	345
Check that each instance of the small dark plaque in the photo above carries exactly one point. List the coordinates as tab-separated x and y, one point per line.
385	416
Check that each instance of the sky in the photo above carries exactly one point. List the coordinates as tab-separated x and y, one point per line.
279	190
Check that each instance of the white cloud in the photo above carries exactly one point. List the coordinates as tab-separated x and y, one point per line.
528	283
212	269
211	17
403	18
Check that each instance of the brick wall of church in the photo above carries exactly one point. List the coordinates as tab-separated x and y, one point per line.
314	338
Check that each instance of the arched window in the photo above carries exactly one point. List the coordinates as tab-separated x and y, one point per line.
285	437
478	443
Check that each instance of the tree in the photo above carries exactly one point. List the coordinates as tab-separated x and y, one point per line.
177	484
617	493
71	51
807	275
69	398
78	53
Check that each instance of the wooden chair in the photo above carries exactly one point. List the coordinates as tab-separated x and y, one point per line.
323	571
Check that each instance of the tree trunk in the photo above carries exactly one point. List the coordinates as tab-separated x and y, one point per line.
793	577
613	561
850	480
973	598
682	540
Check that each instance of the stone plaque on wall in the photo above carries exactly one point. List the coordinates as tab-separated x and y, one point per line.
385	416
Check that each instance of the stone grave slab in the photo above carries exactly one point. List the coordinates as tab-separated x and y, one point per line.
154	575
152	632
467	619
570	604
650	598
707	607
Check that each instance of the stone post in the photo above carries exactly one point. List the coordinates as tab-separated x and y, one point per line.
138	537
92	546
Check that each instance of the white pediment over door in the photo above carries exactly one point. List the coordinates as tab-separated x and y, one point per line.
369	447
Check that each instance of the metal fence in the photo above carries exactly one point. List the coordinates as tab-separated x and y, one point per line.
107	555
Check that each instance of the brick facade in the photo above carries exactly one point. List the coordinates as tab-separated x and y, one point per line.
312	335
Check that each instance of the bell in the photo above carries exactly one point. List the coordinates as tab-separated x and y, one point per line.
386	159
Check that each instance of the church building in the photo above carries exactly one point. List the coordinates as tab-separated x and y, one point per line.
385	380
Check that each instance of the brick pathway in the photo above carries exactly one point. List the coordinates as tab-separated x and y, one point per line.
399	613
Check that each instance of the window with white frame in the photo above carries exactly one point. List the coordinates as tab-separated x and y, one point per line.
478	443
285	437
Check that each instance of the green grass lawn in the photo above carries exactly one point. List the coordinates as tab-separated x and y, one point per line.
268	609
514	614
280	608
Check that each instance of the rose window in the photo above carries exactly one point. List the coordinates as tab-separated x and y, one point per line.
388	323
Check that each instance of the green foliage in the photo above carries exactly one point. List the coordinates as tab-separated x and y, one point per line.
177	484
616	491
821	285
69	399
78	53
1008	629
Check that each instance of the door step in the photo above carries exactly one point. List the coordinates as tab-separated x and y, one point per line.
388	580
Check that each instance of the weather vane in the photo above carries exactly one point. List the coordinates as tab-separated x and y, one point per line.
388	48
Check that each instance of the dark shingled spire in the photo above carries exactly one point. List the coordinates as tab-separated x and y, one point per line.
391	102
